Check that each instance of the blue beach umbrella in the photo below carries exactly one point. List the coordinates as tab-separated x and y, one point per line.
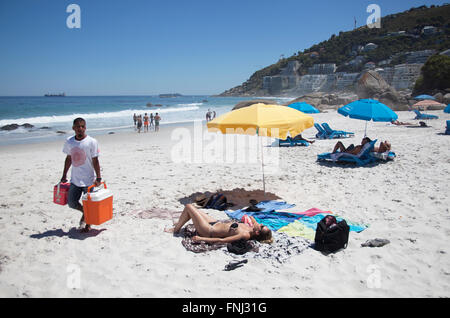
368	109
424	97
304	107
447	109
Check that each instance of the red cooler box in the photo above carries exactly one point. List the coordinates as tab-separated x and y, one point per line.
61	193
98	206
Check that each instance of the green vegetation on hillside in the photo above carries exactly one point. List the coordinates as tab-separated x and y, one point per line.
342	48
435	74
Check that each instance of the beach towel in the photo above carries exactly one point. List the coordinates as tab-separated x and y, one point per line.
311	222
306	226
267	216
273	220
312	212
297	228
273	205
387	155
278	252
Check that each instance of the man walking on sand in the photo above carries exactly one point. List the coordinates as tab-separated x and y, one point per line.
82	154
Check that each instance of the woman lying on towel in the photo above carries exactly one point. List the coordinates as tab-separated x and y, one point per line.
354	150
213	231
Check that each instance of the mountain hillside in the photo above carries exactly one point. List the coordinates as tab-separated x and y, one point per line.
399	34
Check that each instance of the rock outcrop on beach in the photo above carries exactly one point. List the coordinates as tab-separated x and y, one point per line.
323	100
15	126
10	127
372	85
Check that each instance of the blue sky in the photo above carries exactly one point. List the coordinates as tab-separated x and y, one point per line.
144	47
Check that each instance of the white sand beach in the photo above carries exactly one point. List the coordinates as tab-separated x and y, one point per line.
405	201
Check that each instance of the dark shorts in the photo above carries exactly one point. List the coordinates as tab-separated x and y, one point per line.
75	193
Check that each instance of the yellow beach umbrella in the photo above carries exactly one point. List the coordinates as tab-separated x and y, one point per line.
264	120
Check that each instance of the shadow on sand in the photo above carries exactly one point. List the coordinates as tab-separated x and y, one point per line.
239	197
348	165
73	233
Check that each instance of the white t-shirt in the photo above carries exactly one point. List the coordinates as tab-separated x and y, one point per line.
82	152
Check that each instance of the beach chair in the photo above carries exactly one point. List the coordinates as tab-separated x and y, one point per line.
336	133
361	159
322	134
420	115
447	131
290	142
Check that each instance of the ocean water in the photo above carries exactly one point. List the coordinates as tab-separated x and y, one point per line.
103	114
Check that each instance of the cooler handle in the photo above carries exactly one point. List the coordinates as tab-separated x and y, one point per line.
90	187
57	189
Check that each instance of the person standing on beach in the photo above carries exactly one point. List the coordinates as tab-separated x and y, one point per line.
157	120
151	121
134	119
82	154
146	123
139	123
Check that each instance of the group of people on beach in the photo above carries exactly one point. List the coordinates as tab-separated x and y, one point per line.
148	121
82	155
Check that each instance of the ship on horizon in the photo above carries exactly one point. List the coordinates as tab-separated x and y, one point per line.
171	95
55	95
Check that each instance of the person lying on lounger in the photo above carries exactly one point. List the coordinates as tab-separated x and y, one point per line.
354	150
299	137
399	123
384	146
213	231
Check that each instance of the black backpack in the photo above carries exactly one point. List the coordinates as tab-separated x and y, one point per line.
331	235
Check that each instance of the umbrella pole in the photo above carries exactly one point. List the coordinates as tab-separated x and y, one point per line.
365	130
262	164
